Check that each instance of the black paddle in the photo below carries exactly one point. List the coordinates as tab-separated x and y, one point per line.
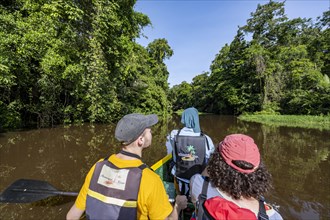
26	190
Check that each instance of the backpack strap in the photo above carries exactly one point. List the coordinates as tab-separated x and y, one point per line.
207	142
202	197
176	142
182	189
208	148
143	166
262	215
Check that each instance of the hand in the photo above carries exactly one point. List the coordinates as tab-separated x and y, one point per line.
181	201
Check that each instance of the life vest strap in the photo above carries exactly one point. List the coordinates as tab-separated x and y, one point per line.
111	200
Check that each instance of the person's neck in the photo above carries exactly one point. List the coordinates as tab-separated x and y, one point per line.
130	150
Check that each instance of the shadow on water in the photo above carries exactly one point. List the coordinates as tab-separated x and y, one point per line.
297	158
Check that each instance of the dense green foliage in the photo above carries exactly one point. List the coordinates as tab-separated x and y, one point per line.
273	64
76	61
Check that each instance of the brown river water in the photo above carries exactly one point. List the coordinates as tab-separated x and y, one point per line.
298	159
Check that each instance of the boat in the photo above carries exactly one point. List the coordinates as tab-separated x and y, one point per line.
163	169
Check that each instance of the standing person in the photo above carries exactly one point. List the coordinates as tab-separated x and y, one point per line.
234	182
190	147
121	186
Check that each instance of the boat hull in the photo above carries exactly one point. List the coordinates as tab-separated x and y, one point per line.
163	169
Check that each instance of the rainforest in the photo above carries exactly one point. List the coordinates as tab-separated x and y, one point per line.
65	62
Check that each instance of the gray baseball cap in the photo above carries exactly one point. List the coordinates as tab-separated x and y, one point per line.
131	126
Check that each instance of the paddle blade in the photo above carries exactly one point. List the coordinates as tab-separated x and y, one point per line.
25	191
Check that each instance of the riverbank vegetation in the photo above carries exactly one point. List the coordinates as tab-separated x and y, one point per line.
77	61
302	121
180	111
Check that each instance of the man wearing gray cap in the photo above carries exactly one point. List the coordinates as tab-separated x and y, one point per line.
121	186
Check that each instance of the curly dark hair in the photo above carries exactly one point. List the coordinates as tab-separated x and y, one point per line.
235	183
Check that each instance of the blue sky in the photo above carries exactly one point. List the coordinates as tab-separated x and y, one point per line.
196	30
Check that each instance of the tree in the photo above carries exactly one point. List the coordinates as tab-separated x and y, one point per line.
202	92
264	22
159	50
70	61
181	96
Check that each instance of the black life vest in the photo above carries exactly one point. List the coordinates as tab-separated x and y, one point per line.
113	191
190	154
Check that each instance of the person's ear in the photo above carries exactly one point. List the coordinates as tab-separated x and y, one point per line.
140	140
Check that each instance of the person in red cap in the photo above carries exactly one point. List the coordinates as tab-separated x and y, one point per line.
233	184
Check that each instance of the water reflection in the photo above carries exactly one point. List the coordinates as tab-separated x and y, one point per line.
297	158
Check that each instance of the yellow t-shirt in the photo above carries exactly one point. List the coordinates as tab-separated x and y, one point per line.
152	198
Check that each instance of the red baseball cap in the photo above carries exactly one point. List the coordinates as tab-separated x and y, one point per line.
240	147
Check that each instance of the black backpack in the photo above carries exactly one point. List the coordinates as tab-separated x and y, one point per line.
190	154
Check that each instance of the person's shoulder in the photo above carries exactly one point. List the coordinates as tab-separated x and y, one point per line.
197	177
111	157
150	173
174	131
152	178
210	141
207	136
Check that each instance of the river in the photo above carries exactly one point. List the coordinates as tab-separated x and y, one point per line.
297	158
